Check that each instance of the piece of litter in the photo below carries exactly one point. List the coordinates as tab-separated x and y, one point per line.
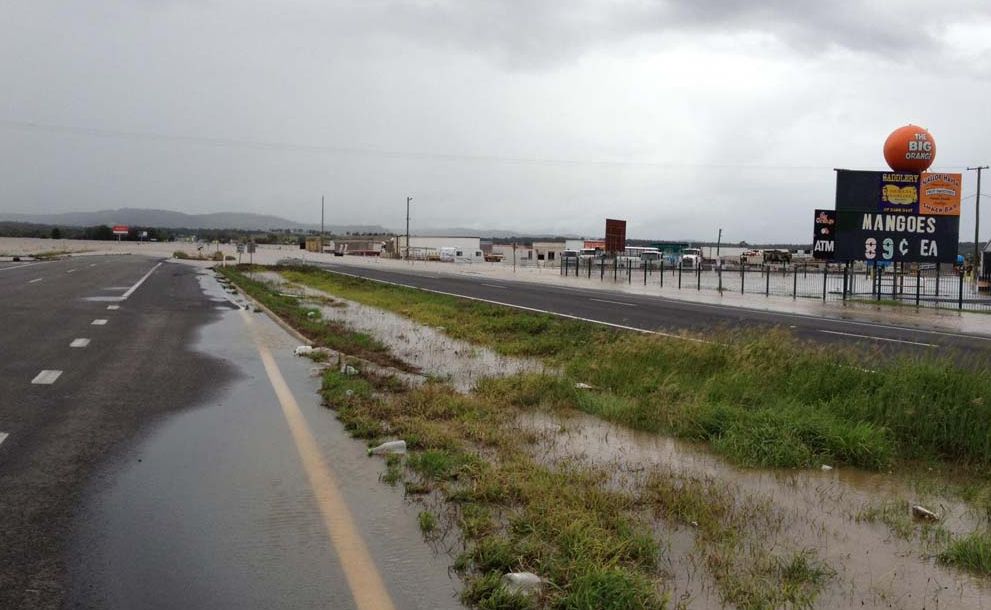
584	386
303	350
390	447
825	467
311	314
521	582
693	523
349	370
349	393
921	512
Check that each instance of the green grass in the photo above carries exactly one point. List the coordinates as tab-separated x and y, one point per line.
762	399
427	522
514	513
323	333
971	553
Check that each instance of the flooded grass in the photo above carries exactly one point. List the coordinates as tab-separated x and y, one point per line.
323	333
971	553
760	399
590	543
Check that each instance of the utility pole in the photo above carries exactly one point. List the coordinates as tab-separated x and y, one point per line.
408	199
321	224
719	241
977	219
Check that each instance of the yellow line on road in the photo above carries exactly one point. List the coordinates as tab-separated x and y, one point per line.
367	586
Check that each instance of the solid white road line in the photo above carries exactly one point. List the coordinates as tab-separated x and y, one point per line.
92	264
37	279
81	342
69	270
19	266
614	302
872	338
491	285
46	377
3	437
98	322
137	285
534	309
113	307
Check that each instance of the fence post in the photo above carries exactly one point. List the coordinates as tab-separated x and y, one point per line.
825	275
629	272
743	276
846	271
602	268
681	266
767	283
699	285
937	283
661	272
960	294
719	272
589	268
615	267
646	266
918	280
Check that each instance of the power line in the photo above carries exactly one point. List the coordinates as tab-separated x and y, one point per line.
29	126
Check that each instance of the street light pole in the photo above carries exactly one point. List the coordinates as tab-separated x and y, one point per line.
321	224
977	219
408	199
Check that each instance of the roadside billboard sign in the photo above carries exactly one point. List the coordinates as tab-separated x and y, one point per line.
911	238
615	235
896	217
823	238
939	194
120	229
251	247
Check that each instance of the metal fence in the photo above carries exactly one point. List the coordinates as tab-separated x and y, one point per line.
916	286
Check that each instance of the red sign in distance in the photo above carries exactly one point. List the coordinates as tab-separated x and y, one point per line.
120	230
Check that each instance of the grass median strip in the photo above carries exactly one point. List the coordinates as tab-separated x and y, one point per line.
761	399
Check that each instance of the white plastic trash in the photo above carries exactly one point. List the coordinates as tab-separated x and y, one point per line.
521	582
584	386
303	350
391	447
921	512
825	467
349	370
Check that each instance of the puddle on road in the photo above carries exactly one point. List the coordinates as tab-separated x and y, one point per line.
818	511
213	509
460	363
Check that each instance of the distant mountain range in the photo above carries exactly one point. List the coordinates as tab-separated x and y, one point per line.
167	219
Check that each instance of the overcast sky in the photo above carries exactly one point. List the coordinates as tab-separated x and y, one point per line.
680	116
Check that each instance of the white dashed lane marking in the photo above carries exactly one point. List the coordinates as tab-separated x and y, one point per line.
3	437
46	377
37	279
100	322
69	270
113	307
81	342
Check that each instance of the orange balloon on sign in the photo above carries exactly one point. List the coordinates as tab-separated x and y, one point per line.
910	149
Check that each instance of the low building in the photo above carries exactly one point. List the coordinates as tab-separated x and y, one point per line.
548	251
428	247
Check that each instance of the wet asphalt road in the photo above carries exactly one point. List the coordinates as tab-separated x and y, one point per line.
56	434
660	314
157	469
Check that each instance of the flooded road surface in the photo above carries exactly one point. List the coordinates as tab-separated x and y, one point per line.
214	509
814	510
460	363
